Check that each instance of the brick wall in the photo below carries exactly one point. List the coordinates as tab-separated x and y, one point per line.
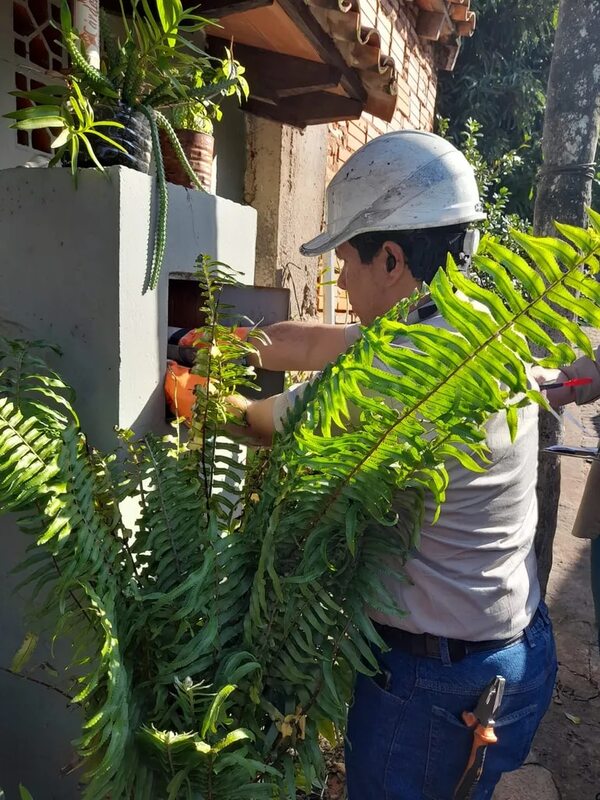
417	86
417	82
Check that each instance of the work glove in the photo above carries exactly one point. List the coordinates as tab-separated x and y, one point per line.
179	383
183	343
179	388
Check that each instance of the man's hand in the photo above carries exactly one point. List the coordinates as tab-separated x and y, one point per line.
556	397
179	389
254	419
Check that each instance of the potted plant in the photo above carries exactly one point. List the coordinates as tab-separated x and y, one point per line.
193	122
112	115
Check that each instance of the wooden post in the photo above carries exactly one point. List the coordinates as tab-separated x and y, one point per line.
570	136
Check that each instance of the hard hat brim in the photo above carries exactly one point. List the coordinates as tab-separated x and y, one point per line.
322	243
326	241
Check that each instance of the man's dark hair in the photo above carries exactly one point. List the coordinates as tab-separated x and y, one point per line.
425	250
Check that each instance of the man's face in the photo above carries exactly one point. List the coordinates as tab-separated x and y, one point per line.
372	288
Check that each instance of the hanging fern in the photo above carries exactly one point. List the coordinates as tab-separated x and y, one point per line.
227	634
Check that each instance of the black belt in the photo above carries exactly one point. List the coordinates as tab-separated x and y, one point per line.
425	645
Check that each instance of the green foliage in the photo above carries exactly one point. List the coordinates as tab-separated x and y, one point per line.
500	80
209	86
491	176
153	68
226	635
69	113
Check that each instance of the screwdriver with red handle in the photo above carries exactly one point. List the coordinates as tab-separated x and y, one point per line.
571	382
481	721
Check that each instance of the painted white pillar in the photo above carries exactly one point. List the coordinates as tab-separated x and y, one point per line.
329	288
86	19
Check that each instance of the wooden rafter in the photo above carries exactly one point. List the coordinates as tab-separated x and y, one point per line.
308	109
309	26
222	8
275	75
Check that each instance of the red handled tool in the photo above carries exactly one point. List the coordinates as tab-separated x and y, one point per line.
571	382
481	721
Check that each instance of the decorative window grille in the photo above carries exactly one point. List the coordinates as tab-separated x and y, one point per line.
38	53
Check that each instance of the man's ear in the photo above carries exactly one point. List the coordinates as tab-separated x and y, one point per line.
395	262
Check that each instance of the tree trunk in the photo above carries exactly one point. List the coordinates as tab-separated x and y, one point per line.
571	127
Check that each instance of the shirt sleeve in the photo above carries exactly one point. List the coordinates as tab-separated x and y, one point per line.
284	402
352	334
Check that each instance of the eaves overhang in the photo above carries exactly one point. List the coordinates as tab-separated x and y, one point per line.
307	62
315	61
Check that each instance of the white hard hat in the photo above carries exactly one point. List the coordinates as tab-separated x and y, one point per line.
404	180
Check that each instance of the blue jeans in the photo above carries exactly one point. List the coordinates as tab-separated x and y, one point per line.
595	568
408	742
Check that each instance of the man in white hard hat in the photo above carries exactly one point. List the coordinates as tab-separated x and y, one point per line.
472	598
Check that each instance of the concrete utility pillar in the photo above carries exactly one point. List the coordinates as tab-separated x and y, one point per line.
285	182
72	267
72	271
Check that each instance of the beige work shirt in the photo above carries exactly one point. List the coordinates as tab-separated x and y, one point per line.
474	575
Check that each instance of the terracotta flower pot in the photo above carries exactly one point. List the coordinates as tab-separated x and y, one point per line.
199	149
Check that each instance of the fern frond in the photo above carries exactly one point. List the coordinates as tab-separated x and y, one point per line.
386	418
208	764
28	458
171	536
106	735
26	378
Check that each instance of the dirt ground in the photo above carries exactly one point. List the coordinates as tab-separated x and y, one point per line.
565	758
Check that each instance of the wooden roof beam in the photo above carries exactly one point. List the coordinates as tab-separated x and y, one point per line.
308	109
307	23
272	76
221	8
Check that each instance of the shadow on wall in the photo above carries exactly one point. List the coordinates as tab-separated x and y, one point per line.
37	724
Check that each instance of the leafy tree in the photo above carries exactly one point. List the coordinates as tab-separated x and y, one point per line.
217	640
500	80
571	129
491	175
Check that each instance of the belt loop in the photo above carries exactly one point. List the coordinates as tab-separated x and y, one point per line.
529	636
445	652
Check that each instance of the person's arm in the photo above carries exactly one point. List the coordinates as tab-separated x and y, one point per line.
289	346
300	346
256	423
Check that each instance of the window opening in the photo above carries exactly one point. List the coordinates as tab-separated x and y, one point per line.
39	53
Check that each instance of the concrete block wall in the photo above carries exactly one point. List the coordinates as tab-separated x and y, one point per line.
72	266
72	272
